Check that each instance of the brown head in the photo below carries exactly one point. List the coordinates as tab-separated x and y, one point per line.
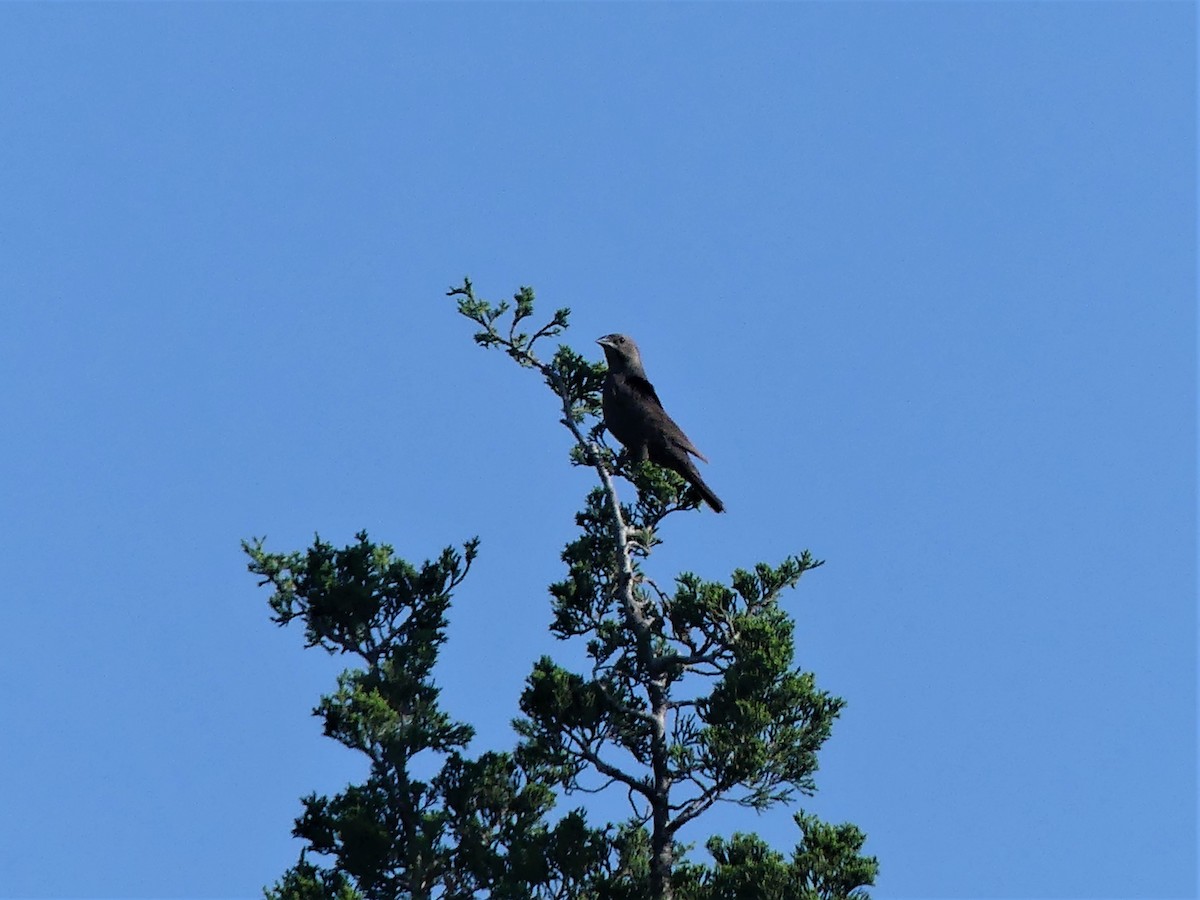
622	355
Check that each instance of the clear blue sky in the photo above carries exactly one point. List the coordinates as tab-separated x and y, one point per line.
919	279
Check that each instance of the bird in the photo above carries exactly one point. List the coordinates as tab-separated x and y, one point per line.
635	416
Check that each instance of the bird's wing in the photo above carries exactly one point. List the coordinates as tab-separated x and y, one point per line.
644	389
686	443
672	431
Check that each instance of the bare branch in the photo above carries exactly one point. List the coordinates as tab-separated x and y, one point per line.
584	748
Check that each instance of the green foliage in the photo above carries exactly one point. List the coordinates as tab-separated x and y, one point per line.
304	881
826	865
478	825
691	699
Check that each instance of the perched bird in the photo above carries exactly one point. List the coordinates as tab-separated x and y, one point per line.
635	415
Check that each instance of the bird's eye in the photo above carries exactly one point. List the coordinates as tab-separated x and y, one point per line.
620	340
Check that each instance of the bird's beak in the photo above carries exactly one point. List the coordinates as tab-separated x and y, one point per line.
604	341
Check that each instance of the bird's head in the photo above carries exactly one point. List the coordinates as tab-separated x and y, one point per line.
622	354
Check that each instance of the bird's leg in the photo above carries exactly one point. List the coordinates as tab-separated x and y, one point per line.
633	454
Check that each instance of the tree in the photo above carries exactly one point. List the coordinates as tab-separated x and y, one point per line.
691	700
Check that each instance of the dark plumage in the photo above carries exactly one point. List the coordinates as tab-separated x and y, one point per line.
635	416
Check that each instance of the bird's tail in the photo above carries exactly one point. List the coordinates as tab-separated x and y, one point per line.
705	491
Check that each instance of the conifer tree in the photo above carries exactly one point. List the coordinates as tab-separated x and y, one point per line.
692	699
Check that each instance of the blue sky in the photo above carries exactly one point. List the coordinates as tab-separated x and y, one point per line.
919	279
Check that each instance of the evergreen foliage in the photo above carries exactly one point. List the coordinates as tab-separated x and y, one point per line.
692	699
